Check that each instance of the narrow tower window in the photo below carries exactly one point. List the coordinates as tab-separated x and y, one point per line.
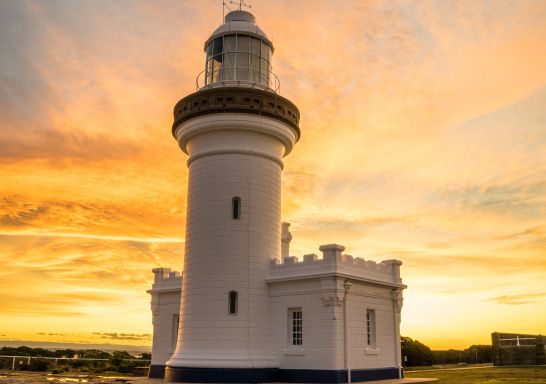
174	331
232	302
295	327
236	208
370	327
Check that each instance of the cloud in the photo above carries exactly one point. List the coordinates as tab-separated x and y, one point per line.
422	139
53	145
519	299
23	215
17	212
123	336
524	200
537	231
20	218
80	277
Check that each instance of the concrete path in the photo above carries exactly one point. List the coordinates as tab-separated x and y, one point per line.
396	381
43	378
400	381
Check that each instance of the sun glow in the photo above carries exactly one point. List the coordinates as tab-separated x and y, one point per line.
423	139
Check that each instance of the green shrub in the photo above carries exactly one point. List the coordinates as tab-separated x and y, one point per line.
78	363
38	365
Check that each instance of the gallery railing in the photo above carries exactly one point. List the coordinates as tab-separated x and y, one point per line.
238	77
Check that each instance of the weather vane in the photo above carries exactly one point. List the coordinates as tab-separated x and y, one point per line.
240	4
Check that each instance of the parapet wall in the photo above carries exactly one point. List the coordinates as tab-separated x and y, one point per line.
334	262
166	280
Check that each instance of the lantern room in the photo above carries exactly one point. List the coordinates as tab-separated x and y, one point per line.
238	53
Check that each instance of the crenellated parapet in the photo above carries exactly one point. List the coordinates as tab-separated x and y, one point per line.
166	280
334	262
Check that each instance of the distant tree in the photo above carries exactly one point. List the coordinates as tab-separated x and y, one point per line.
145	356
451	356
475	354
64	353
78	363
115	362
22	351
93	354
122	355
478	354
416	353
8	351
41	352
38	365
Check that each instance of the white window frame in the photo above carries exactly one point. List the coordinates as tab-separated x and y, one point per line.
371	330
295	328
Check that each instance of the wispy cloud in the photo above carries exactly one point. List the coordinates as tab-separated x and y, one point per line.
123	336
519	299
422	139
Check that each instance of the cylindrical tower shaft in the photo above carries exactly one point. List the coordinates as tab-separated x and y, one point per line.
236	134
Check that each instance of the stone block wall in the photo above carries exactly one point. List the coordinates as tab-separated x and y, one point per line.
518	349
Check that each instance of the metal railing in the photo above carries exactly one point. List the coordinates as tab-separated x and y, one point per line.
227	77
22	360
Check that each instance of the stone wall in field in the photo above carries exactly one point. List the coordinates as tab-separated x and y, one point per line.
518	349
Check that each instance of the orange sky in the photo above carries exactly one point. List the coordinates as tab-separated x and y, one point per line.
423	139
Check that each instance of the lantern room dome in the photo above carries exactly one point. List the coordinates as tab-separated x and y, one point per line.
240	16
239	22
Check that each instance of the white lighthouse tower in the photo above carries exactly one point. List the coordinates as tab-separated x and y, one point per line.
236	129
244	310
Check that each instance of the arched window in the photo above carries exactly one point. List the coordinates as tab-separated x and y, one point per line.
232	302
236	208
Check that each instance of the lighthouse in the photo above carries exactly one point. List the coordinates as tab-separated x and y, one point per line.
236	129
243	310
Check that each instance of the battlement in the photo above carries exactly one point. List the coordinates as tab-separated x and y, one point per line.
166	280
333	262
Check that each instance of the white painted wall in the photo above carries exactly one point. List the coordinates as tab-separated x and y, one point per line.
165	305
317	286
321	300
231	155
318	290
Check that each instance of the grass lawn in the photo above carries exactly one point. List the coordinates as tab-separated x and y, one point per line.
489	375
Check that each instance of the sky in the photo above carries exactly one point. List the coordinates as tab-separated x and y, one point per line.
423	139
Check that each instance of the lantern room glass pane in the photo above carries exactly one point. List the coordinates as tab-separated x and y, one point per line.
218	46
209	71
264	72
216	66
242	72
255	68
242	60
266	51
242	43
255	46
229	43
229	66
